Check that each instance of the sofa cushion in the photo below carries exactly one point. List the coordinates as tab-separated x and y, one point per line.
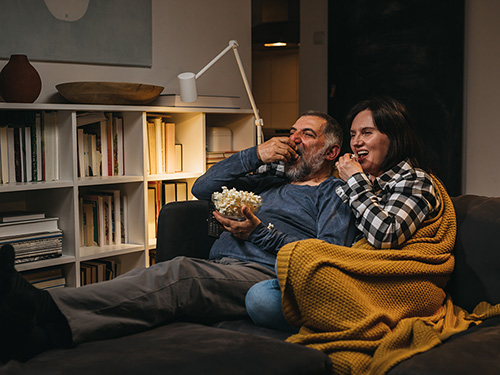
179	348
477	252
475	351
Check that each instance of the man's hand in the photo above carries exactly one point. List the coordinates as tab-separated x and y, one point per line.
277	149
347	165
239	229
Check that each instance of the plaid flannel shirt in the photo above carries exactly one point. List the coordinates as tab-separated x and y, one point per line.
276	169
389	210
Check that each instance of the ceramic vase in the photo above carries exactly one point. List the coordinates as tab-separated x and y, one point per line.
19	81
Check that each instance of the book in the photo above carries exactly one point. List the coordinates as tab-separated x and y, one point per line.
39	151
51	141
88	274
110	267
179	162
58	282
169	192
153	169
4	159
81	222
93	149
181	191
107	219
113	198
203	101
160	165
116	141
104	147
36	247
85	118
18	162
28	154
13	216
174	191
34	153
170	163
88	223
36	258
82	162
97	204
154	199
9	230
120	146
98	270
11	155
44	274
124	217
109	139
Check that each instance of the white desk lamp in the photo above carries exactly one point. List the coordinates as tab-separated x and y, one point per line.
187	85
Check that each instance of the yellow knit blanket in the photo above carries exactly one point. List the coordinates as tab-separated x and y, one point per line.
371	309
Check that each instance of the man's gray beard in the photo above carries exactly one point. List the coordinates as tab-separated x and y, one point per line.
305	167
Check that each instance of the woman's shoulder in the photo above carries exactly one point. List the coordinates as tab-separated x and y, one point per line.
404	172
415	182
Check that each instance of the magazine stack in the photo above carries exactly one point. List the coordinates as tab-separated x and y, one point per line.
33	236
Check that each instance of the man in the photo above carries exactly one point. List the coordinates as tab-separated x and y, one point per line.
302	205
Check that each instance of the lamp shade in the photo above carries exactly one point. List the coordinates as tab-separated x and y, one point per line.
187	86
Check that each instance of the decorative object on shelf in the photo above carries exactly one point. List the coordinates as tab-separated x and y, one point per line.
108	92
187	85
19	81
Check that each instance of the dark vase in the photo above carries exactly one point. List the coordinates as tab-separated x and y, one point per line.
19	81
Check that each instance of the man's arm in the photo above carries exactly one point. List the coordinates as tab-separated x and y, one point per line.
266	238
233	171
230	172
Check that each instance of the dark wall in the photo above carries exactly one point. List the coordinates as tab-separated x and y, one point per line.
411	50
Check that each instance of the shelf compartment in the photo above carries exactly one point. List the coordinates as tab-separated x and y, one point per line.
96	252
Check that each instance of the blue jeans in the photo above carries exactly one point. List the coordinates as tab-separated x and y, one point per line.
263	303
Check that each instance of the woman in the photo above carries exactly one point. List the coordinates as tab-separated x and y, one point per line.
385	186
387	189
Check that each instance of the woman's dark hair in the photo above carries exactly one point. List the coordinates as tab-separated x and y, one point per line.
392	119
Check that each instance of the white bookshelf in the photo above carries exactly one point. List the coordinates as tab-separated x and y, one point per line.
60	198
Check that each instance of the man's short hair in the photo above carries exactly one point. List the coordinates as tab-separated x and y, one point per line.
331	129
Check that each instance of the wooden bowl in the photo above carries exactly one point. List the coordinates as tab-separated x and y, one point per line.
108	92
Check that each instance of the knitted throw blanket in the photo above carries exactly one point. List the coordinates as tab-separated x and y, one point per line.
370	309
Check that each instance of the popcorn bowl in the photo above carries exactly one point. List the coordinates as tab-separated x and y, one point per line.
230	202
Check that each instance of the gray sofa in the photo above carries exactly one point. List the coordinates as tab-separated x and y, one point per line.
239	347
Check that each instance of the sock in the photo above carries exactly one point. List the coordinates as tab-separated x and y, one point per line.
30	320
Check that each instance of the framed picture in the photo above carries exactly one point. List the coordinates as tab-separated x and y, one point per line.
110	32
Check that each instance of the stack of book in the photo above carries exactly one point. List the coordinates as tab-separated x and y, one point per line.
98	270
103	218
159	194
29	149
216	156
33	236
47	278
164	155
100	144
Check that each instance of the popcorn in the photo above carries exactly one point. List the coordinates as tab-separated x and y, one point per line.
229	202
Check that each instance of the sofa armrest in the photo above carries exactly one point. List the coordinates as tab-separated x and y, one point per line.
183	230
477	252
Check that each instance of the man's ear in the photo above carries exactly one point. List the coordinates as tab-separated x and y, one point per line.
332	153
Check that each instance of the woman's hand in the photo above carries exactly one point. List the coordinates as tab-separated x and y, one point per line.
347	165
239	229
277	149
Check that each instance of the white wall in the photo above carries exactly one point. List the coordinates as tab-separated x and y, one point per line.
313	81
186	36
482	98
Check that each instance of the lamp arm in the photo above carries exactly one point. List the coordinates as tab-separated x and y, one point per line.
216	58
258	121
234	45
